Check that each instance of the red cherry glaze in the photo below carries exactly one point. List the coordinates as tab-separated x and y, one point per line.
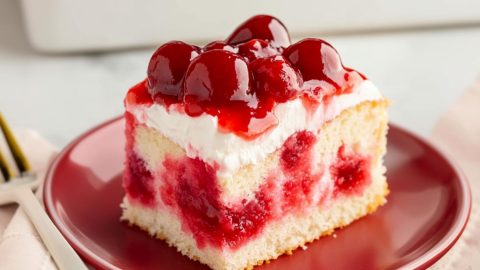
244	122
274	77
256	48
218	82
263	27
219	45
167	68
139	94
351	172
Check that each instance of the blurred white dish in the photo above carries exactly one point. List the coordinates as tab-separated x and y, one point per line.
91	25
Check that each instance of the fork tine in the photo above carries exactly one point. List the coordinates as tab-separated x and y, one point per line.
5	171
20	160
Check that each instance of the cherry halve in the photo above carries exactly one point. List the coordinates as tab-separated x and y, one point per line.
167	67
216	79
275	77
263	27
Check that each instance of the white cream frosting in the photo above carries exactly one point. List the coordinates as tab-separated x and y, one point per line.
200	136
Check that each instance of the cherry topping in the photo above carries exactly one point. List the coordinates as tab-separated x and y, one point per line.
318	60
216	79
241	79
167	68
218	83
139	94
315	58
220	45
275	77
256	48
263	27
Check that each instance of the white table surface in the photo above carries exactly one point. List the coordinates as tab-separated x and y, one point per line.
61	96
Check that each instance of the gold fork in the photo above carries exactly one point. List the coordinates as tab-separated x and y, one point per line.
17	187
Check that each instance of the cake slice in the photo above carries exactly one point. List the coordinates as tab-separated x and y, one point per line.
248	148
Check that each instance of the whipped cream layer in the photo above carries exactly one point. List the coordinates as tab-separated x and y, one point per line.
200	136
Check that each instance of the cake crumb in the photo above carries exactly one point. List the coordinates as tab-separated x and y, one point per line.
334	235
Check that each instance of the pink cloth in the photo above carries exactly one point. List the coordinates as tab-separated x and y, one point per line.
457	133
20	245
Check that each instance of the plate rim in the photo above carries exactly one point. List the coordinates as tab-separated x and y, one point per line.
448	241
423	261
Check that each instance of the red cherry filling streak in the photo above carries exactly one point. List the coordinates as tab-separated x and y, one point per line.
195	194
189	187
137	179
350	172
240	79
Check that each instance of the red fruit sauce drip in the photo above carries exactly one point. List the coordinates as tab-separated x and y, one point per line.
240	79
350	172
139	94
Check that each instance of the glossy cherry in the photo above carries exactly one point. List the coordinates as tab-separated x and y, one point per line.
215	79
274	77
167	68
315	58
241	79
256	48
318	60
263	27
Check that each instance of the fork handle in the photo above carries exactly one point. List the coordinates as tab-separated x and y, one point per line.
63	254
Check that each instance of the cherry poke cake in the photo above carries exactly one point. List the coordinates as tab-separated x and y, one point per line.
251	147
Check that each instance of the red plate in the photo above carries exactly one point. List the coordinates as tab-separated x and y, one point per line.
427	210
